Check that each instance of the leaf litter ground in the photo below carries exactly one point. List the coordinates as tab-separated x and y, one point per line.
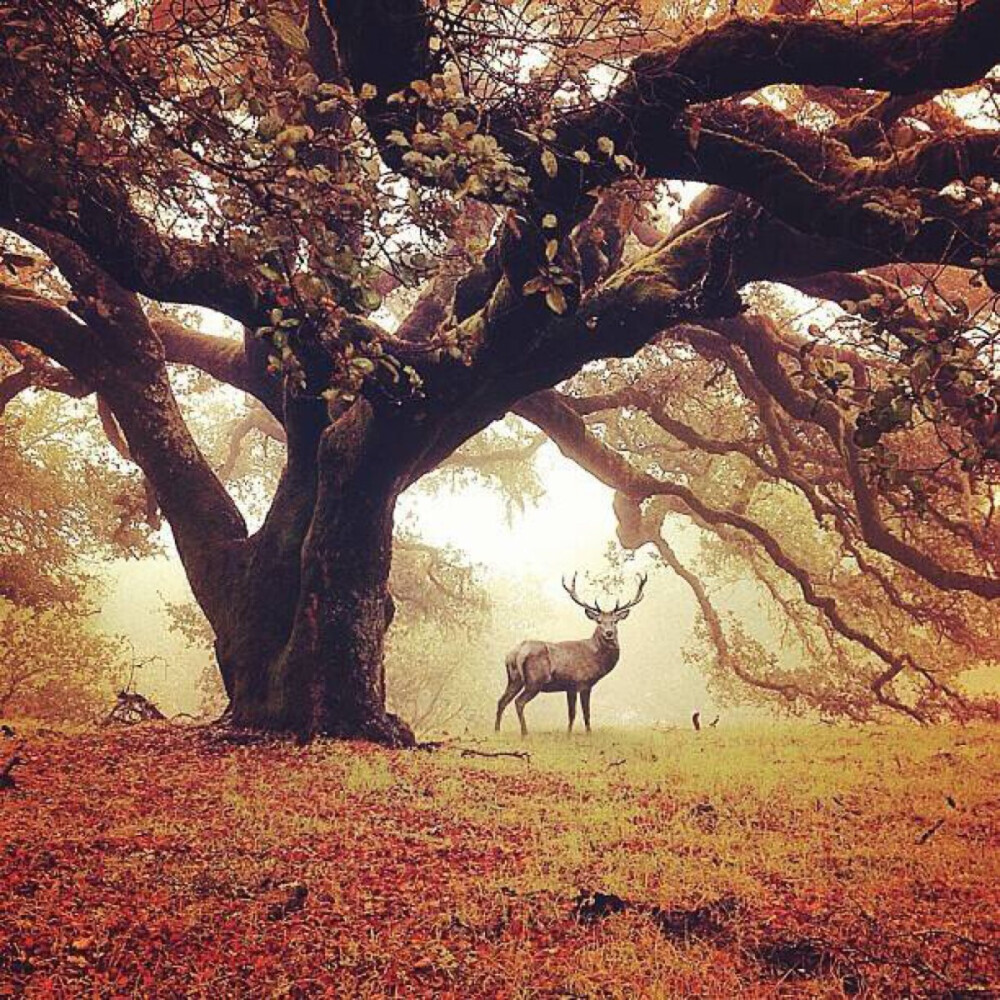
788	860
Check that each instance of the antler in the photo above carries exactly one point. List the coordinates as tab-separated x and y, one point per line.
638	595
571	590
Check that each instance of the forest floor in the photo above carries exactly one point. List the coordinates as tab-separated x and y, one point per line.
788	860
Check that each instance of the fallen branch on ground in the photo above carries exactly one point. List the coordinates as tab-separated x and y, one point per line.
930	831
519	754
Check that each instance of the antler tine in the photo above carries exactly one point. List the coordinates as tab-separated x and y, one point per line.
571	590
643	577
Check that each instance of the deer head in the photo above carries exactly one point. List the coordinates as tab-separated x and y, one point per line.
607	621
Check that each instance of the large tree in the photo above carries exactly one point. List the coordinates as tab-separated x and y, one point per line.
497	166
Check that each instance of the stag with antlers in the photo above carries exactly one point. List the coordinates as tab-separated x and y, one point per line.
574	666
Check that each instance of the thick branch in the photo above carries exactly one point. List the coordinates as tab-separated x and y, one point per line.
382	42
114	350
753	336
227	361
37	372
744	55
127	246
550	412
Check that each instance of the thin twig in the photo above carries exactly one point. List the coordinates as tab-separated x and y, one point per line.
930	831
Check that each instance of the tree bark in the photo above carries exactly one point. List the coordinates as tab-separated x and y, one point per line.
328	677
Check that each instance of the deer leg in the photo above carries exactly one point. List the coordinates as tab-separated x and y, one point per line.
585	705
571	706
519	702
513	686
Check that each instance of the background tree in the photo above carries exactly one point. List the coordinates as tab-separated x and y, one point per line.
64	504
292	166
54	667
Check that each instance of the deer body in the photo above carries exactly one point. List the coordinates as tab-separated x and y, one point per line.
574	667
563	666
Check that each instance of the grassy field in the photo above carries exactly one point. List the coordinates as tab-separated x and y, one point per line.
779	861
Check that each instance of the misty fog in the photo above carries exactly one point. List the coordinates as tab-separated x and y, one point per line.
520	555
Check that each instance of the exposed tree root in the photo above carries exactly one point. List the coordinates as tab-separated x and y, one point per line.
131	708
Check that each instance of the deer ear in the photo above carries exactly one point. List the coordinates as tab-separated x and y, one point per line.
622	615
593	615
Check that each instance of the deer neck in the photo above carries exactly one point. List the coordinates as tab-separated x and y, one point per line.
606	651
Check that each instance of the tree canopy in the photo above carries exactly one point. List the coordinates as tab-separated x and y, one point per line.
742	265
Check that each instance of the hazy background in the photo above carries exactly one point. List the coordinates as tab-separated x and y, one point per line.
520	557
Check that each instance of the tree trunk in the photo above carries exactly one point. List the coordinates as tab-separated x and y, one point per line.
327	676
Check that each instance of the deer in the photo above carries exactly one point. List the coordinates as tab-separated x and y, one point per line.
574	666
